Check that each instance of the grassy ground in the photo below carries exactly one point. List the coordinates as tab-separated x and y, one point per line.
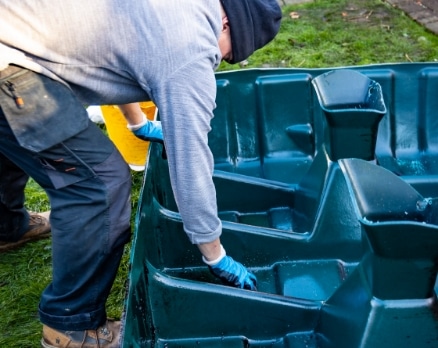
327	33
322	33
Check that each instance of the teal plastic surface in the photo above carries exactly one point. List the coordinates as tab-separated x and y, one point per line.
326	185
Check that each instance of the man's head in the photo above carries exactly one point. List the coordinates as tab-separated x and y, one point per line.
252	24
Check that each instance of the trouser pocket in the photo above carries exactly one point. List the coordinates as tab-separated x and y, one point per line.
40	111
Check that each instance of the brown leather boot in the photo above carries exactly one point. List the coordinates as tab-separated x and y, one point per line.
105	336
39	227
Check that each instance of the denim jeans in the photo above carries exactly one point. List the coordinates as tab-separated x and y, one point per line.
88	184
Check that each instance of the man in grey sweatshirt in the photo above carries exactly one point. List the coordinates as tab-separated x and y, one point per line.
54	58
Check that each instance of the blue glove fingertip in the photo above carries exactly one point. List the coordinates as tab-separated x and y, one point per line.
234	273
151	131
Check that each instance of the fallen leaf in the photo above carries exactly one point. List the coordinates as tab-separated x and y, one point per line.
294	15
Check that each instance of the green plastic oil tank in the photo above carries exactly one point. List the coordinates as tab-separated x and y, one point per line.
327	186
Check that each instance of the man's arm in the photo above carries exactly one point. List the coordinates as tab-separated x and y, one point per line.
132	113
140	125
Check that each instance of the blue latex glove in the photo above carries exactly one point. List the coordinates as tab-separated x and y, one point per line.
234	274
149	131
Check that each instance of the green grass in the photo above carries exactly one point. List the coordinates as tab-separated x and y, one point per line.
343	33
326	33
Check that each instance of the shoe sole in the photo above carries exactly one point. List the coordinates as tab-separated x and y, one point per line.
45	345
11	246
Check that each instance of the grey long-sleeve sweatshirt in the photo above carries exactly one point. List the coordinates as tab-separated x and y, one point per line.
118	51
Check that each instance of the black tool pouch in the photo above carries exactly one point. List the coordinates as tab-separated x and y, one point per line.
40	111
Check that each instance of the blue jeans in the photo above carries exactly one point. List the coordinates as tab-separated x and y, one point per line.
88	184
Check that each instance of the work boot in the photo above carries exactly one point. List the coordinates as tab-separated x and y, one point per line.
105	336
39	227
